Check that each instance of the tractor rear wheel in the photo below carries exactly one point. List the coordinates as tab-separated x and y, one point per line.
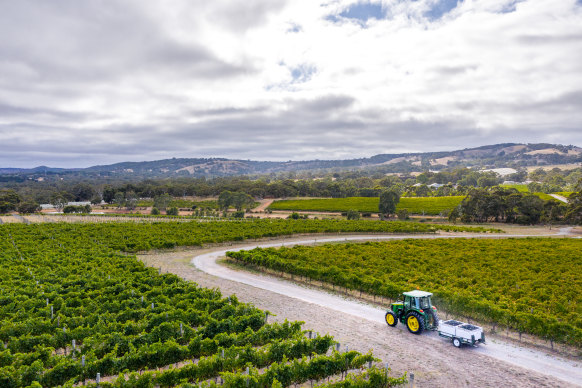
391	319
414	322
433	318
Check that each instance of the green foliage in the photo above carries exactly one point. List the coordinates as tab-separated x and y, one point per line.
126	317
371	378
499	204
83	209
353	215
162	201
403	214
238	200
414	205
155	211
531	285
173	211
574	209
28	207
387	202
9	201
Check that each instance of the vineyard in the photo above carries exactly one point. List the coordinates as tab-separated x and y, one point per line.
414	205
134	237
530	285
74	304
73	307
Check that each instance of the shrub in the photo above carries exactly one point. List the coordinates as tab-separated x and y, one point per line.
353	215
403	214
173	211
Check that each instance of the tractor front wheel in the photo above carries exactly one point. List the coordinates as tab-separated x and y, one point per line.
391	319
414	322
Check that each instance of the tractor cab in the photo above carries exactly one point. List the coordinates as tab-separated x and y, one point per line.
415	311
417	302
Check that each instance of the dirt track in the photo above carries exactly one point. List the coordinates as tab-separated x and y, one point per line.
434	361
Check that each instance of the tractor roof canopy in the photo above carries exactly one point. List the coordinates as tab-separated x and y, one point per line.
417	293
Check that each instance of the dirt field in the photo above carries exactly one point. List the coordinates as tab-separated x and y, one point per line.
434	361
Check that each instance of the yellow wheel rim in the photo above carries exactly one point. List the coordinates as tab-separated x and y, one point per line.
390	319
413	323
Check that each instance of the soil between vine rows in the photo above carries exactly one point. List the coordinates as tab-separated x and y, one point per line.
434	361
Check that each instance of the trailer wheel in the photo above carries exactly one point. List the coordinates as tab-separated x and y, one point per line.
391	319
457	342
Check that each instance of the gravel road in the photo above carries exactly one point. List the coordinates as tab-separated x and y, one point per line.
433	360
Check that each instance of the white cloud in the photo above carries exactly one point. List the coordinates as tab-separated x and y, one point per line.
286	74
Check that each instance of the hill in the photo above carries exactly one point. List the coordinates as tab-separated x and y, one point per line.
507	155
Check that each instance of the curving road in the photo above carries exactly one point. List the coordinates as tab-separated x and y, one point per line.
523	357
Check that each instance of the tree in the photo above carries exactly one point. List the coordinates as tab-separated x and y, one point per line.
534	187
487	180
162	201
530	207
574	210
388	201
6	207
130	200
96	200
9	200
28	207
155	211
83	192
119	199
224	200
77	209
241	200
422	191
173	211
454	215
108	194
552	211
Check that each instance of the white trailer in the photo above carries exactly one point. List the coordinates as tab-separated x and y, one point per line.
461	333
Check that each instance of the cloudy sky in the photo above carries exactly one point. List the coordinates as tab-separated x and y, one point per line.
103	81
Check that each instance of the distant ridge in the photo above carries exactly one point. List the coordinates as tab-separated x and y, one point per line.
512	155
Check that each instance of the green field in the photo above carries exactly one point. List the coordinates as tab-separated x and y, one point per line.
414	205
532	285
73	304
544	196
565	193
522	188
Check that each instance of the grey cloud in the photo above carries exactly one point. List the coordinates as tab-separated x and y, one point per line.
323	105
454	70
571	101
549	39
240	16
227	111
265	135
69	41
60	58
18	113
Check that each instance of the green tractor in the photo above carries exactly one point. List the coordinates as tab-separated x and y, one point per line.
416	312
